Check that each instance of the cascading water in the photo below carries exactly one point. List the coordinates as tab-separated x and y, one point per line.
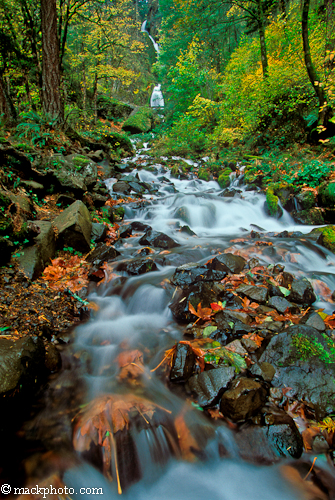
157	99
133	314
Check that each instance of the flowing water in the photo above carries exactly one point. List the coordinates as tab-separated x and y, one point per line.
133	313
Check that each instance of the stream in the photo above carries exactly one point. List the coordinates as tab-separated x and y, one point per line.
132	313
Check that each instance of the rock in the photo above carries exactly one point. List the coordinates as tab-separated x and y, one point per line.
243	399
22	204
21	364
232	316
315	321
188	274
137	266
306	199
256	293
187	230
99	232
280	304
125	231
120	142
65	200
53	360
98	200
326	194
209	385
302	292
283	434
139	226
254	446
230	192
183	214
34	186
121	187
228	262
158	239
35	258
6	249
182	364
324	236
140	121
264	370
309	216
304	361
102	253
204	292
75	172
74	227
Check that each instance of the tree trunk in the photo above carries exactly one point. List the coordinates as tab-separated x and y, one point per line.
95	98
324	109
330	37
6	105
52	99
261	31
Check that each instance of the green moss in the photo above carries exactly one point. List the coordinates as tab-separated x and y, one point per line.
224	177
327	236
117	141
308	347
272	201
140	121
327	194
203	174
6	224
80	161
119	212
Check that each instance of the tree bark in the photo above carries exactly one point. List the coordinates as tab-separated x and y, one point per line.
261	31
324	109
6	106
52	100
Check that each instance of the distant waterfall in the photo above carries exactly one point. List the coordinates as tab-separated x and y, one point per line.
157	99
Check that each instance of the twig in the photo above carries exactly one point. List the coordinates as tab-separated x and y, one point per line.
310	470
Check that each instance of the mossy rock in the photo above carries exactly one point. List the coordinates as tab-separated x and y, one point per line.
326	236
80	161
327	194
224	177
310	216
140	121
251	177
119	141
203	174
272	206
306	199
119	213
112	109
283	190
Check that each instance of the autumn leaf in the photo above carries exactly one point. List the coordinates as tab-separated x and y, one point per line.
187	442
131	366
201	313
217	306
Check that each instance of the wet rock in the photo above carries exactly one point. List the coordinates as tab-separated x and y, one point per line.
6	249
316	322
53	360
232	316
21	364
309	216
187	230
125	231
36	257
306	199
137	266
249	345
139	226
102	253
280	304
264	370
256	293
209	385
121	187
302	292
304	361
228	262
99	232
230	192
158	239
243	399
183	214
254	446
274	291
236	346
74	227
204	292
98	200
183	363
188	273
137	187
324	236
283	435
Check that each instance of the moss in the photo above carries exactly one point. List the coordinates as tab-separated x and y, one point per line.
117	141
139	121
203	174
272	202
251	177
327	194
80	161
119	212
224	177
6	224
307	347
327	236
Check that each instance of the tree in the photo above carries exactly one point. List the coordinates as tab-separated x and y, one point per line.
53	106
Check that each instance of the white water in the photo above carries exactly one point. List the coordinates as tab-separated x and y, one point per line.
157	99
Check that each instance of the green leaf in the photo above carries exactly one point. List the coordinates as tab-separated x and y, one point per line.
208	330
4	328
284	291
231	324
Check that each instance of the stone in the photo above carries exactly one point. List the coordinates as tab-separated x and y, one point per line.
183	214
125	231
182	364
204	292
228	262
137	266
254	447
102	253
304	361
99	232
188	274
209	385
6	249
264	370
316	322
121	187
256	293
187	230
33	259
74	172
243	399
74	227
158	239
139	226
280	304
139	121
283	435
21	363
302	292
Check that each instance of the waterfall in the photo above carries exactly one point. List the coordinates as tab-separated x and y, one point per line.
157	99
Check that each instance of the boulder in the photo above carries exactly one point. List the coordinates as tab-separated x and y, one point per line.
256	293
304	360
157	239
99	232
324	236
125	231
227	262
201	292
280	304
102	253
33	259
121	187
74	227
137	266
309	216
182	364
209	385
243	399
302	292
140	121
75	172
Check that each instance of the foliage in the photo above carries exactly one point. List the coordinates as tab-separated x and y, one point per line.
308	347
272	201
67	273
224	177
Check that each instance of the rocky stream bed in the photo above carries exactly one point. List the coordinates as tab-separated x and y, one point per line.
204	352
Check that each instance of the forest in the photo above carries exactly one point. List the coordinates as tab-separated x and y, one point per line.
167	241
